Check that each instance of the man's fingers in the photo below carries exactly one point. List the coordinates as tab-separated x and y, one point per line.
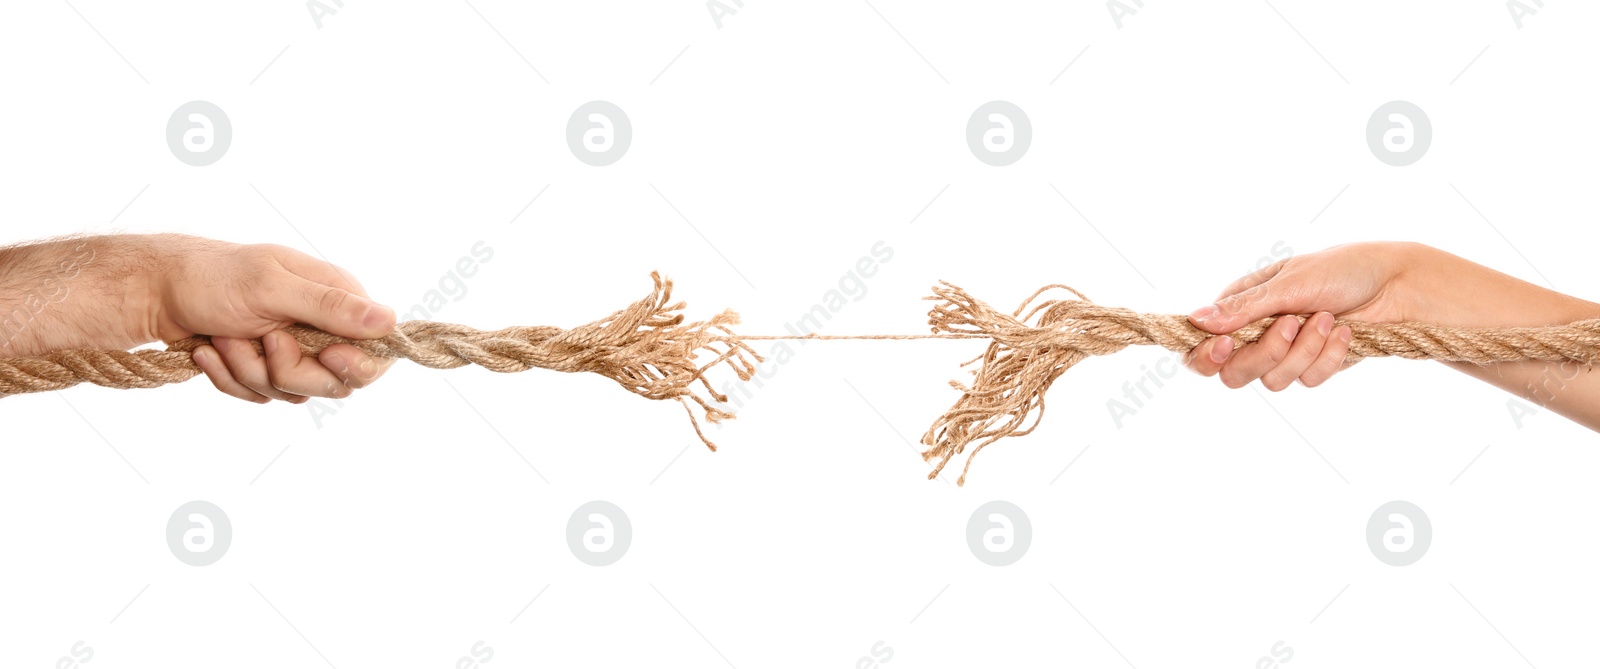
1250	362
293	372
210	362
1330	361
250	368
331	309
1206	358
1307	346
353	368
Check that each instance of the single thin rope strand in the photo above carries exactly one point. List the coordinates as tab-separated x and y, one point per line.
889	336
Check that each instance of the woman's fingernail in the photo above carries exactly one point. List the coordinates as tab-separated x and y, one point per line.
1292	329
1344	333
1204	313
200	357
1222	348
1324	323
269	343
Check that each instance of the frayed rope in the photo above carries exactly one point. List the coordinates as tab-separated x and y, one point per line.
648	349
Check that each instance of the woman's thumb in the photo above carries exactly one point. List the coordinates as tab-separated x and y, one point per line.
1230	313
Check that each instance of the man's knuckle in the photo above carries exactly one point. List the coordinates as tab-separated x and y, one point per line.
333	300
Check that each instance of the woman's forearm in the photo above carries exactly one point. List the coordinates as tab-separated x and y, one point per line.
1565	388
1446	289
1449	290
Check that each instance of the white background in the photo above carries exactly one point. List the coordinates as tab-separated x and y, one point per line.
402	527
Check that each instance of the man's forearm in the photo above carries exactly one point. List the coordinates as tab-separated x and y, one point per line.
83	292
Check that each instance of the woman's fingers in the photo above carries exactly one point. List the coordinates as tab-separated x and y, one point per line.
1302	353
1251	362
1206	358
1330	361
1253	279
1287	352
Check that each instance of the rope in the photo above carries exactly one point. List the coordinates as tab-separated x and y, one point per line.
1032	346
648	349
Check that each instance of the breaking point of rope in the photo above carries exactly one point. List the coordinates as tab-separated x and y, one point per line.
648	349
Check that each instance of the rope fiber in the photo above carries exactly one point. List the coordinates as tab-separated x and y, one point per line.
648	349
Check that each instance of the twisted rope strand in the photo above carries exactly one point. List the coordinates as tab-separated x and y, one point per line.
648	349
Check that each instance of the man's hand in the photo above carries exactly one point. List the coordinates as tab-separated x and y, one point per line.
237	293
122	291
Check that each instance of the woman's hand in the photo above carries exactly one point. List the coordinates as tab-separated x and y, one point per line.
1361	281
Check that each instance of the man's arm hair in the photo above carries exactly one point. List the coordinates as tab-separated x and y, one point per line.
77	292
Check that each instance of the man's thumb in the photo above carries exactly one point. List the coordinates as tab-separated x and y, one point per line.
336	310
